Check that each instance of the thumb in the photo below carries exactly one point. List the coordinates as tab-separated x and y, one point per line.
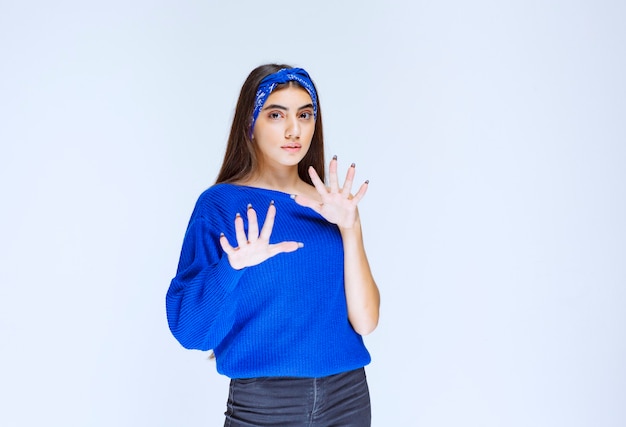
306	202
285	247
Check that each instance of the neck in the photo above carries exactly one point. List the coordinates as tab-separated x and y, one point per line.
286	180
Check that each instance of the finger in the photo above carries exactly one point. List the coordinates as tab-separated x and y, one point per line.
239	231
266	231
347	185
317	182
226	245
253	225
306	202
362	190
284	247
332	176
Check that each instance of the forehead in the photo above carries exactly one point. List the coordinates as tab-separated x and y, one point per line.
294	95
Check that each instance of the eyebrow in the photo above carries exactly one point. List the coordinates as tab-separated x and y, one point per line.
281	107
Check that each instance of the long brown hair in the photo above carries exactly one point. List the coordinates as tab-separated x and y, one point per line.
240	159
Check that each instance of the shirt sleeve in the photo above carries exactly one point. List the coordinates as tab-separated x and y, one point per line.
201	302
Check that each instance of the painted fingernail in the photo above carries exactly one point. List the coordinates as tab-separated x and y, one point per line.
249	206
272	203
367	181
238	215
353	165
335	157
300	245
221	235
293	196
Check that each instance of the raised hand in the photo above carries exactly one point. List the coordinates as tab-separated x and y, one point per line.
256	247
338	205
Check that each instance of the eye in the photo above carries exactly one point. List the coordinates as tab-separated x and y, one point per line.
274	115
306	115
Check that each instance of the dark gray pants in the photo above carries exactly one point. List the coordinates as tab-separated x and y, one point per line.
333	401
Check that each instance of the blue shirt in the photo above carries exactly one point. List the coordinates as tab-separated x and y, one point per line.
284	317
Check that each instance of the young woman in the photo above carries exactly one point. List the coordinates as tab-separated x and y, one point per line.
273	275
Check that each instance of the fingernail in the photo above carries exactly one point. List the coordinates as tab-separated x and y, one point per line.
221	234
272	203
353	165
367	181
293	196
249	206
300	245
335	157
238	215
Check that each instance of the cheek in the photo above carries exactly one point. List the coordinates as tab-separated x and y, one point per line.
310	130
264	132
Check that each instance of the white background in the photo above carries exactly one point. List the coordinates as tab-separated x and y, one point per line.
494	136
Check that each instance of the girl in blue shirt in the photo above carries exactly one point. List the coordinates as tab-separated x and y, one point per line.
273	275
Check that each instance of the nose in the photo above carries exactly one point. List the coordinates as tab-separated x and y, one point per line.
293	129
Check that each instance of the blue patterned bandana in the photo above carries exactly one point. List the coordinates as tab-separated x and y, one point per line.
269	83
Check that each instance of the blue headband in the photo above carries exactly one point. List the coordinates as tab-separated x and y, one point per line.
269	83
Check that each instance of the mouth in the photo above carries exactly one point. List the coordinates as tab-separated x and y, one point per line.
291	147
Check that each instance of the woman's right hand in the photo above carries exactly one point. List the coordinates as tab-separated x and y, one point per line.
256	247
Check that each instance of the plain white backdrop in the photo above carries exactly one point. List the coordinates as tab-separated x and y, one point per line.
494	137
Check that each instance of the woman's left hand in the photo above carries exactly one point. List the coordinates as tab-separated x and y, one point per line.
338	205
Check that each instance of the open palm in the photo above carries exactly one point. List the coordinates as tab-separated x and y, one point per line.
254	248
338	205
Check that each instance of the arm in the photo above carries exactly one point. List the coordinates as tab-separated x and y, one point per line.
340	207
362	296
201	301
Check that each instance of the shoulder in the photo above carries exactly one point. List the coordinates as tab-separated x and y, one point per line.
218	192
216	199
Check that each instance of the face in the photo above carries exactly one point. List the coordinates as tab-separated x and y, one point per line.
284	127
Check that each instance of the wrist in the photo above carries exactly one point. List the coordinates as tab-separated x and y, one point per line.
355	228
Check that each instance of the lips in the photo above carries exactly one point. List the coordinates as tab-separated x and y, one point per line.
291	148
